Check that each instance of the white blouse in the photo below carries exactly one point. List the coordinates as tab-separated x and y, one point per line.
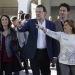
67	46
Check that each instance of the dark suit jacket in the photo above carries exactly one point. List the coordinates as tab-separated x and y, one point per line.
58	25
58	28
31	45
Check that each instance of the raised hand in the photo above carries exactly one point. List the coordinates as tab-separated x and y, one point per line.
39	26
18	23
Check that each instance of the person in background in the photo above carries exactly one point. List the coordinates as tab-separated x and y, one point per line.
19	14
40	49
64	10
67	46
22	18
21	39
8	46
50	18
58	17
27	17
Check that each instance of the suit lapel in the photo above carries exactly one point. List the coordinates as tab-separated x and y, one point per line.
36	22
46	27
46	23
36	30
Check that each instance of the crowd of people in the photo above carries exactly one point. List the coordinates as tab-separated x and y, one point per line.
38	40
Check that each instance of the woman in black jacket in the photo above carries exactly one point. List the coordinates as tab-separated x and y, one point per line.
9	56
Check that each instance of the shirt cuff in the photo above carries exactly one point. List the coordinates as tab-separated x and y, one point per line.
55	57
19	27
47	31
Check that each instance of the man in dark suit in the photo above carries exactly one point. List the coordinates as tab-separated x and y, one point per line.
64	10
40	48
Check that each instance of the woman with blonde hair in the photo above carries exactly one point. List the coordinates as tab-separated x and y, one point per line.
67	46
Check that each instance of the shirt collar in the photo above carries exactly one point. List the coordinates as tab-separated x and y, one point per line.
42	22
62	21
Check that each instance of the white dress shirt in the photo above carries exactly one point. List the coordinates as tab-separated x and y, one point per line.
41	39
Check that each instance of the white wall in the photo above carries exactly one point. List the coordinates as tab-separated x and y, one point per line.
23	5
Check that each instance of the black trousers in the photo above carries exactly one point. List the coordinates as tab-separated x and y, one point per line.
40	63
23	59
7	67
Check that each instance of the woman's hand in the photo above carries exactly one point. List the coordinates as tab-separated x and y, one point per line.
41	27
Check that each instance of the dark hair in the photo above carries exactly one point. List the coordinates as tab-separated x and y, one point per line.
22	16
27	16
13	18
9	24
44	9
72	24
20	12
65	5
